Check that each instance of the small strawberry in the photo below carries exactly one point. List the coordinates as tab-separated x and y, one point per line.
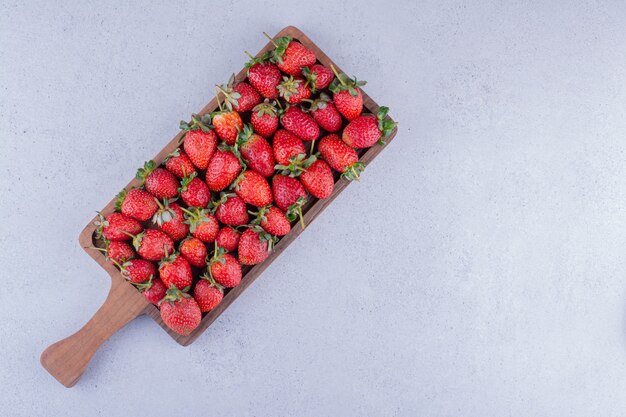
227	124
318	77
253	189
158	181
295	120
264	75
347	95
137	271
136	203
170	218
286	145
318	179
224	167
325	114
202	224
117	252
290	56
287	190
112	226
256	151
228	238
240	96
366	130
153	244
341	157
254	246
194	191
179	164
180	312
154	290
272	220
264	119
224	268
175	270
208	293
231	210
200	140
194	250
294	90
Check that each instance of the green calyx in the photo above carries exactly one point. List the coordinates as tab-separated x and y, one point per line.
267	107
195	215
319	103
198	122
174	154
173	295
244	135
101	223
143	286
119	199
257	60
231	97
297	165
344	83
385	124
142	173
185	182
164	214
212	283
260	216
218	256
353	172
265	237
294	211
310	77
288	87
281	45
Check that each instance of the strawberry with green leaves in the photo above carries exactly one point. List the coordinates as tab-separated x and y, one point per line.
296	121
318	179
137	271
289	196
264	75
318	77
136	203
180	312
208	293
158	181
264	118
175	270
255	245
326	114
202	224
200	140
179	164
194	251
113	226
153	291
253	189
231	210
286	145
290	55
153	244
294	90
367	130
347	95
224	268
194	192
223	169
273	220
341	157
228	238
239	96
116	251
227	123
256	151
171	219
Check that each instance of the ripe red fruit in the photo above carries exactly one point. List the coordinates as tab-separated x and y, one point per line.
347	95
194	250
287	190
180	312
179	164
227	124
158	181
290	56
253	189
222	170
295	120
153	244
225	268
264	76
341	157
273	220
254	246
286	145
138	271
175	270
325	114
117	252
240	96
264	119
294	90
318	179
208	293
366	130
115	224
136	203
202	224
154	290
318	77
194	191
256	151
170	218
200	140
230	209
228	238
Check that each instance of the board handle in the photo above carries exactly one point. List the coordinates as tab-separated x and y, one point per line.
67	359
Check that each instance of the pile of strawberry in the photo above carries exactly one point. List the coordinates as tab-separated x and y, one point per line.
239	181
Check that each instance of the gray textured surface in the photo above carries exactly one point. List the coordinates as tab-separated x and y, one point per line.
478	268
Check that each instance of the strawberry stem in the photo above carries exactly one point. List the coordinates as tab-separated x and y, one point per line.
332	67
248	53
270	39
301	217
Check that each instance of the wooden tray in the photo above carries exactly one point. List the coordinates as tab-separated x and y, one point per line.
67	359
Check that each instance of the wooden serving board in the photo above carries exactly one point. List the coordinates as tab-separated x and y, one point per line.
67	359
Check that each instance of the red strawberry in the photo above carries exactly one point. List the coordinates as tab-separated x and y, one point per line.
224	167
253	189
115	224
194	191
117	252
227	125
175	270
179	164
286	146
366	130
180	312
295	120
158	181
318	179
230	209
194	250
202	224
325	114
347	95
208	293
138	271
254	246
273	221
153	244
154	290
318	77
240	96
200	140
264	119
294	90
264	75
287	190
256	151
341	157
228	238
290	56
224	268
136	203
170	218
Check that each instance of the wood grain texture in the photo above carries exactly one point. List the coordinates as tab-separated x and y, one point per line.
67	359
